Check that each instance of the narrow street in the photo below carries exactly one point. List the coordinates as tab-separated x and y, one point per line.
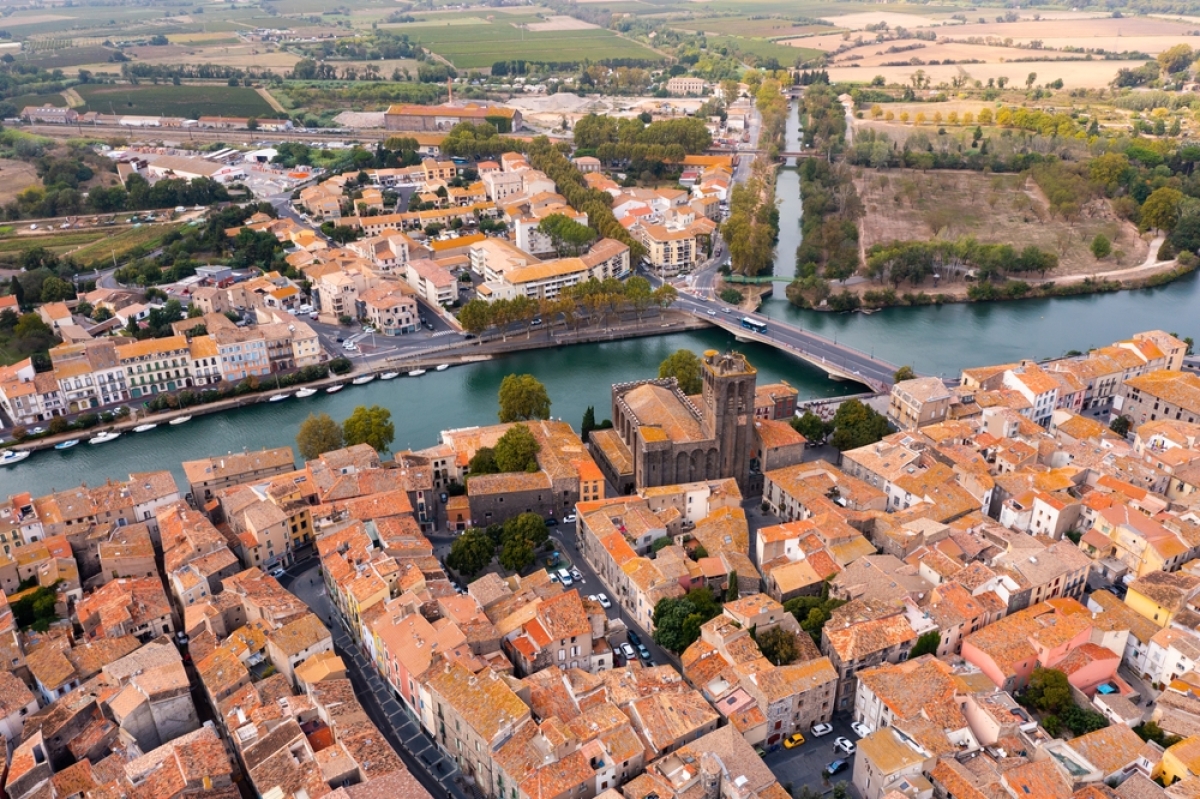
429	764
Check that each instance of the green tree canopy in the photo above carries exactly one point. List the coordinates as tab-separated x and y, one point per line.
523	397
812	427
1161	209
927	644
528	527
318	434
568	237
677	621
857	425
471	552
483	462
778	646
1048	691
1101	246
371	425
684	366
904	373
517	450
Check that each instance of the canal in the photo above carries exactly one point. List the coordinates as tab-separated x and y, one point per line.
575	378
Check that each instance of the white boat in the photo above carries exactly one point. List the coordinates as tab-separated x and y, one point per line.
180	420
389	375
104	438
12	456
416	373
305	392
335	389
66	444
442	367
362	380
143	428
279	397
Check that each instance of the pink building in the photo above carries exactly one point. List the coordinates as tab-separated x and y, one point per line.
1054	634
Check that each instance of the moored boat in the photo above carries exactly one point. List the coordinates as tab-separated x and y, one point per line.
105	437
305	392
143	428
362	380
443	367
13	456
389	375
278	397
416	373
335	389
66	444
180	420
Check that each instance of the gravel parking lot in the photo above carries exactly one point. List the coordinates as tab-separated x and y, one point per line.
804	765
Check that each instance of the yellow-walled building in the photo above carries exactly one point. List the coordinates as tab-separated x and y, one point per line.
1181	760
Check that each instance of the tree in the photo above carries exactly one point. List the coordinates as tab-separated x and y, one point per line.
731	587
471	552
371	425
904	373
483	462
523	397
1101	246
684	366
927	644
517	450
1048	691
811	426
529	527
857	425
475	316
589	423
1161	209
677	621
516	554
17	290
568	237
778	646
1121	426
1029	80
318	434
1176	59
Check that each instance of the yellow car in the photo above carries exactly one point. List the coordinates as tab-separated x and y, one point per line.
792	741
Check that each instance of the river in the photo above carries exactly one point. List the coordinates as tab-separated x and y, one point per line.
575	377
943	340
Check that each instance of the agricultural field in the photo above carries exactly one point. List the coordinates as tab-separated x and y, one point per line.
480	46
39	100
66	57
1074	74
903	205
765	28
185	101
763	48
15	177
59	242
123	243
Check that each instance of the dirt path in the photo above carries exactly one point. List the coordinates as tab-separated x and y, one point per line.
73	99
1151	266
271	101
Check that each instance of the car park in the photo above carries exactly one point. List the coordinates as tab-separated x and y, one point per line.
860	729
821	729
793	740
628	652
835	767
603	600
844	745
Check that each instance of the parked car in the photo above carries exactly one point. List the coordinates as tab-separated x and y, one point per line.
278	572
844	745
793	740
643	652
634	638
565	577
820	729
835	767
603	600
860	729
569	518
577	575
628	652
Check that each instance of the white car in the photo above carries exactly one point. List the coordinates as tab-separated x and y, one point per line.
860	729
576	575
844	745
569	518
821	729
277	573
603	600
628	652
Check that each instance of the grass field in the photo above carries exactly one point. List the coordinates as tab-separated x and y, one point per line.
123	242
67	57
25	100
770	28
57	243
15	177
181	101
762	48
480	46
903	205
1074	74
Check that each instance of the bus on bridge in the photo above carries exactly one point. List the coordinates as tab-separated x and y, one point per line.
757	327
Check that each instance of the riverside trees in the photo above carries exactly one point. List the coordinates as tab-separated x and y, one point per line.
591	302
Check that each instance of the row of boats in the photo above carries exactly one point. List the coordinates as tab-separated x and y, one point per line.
10	457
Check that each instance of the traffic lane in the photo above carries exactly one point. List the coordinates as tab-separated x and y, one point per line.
564	536
805	765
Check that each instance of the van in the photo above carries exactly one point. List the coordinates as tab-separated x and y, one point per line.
564	577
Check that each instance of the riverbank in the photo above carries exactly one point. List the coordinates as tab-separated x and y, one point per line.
457	353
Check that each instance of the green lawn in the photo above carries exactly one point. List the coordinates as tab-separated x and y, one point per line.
125	241
480	46
39	100
185	101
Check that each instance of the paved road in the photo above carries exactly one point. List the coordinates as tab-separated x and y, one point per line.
432	767
804	765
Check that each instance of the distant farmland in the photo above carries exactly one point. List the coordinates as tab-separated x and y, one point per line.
480	46
189	102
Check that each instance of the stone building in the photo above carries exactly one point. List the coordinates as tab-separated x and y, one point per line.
660	436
